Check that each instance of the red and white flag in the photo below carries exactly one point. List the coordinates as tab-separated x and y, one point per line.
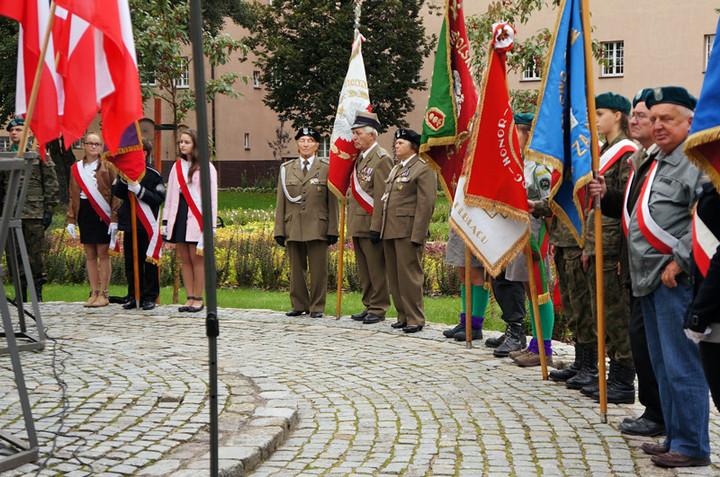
354	97
34	16
490	207
115	81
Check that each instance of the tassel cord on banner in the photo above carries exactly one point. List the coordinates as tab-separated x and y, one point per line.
536	308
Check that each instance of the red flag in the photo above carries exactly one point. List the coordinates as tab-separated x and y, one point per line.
129	159
452	101
119	89
34	16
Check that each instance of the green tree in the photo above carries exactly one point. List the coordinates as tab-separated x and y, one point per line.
303	48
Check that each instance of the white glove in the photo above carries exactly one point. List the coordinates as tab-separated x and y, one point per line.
201	242
695	336
71	230
112	228
113	240
134	187
163	230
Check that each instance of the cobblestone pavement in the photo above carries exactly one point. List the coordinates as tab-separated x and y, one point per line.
337	397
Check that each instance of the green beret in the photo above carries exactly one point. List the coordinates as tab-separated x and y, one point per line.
408	135
15	122
612	101
308	131
673	95
524	118
641	96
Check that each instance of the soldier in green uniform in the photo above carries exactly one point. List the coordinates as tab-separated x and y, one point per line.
614	125
40	202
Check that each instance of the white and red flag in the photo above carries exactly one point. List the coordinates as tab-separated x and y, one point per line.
490	207
354	97
33	16
114	77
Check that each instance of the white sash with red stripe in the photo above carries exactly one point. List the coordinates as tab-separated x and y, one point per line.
626	214
705	243
152	228
661	240
614	153
97	201
363	198
191	197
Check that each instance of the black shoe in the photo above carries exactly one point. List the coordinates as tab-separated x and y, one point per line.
642	427
372	318
588	373
131	305
195	309
412	329
620	385
495	342
295	313
118	300
399	324
591	389
514	341
359	316
476	334
316	314
451	332
148	305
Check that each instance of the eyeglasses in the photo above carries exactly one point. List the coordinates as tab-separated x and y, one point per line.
93	144
639	116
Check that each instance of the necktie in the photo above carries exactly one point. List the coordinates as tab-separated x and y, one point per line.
305	166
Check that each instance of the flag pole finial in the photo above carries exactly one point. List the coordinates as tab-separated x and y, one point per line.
358	10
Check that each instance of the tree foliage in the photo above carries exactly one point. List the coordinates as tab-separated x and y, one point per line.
303	49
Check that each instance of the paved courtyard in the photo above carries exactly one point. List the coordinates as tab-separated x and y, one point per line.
302	396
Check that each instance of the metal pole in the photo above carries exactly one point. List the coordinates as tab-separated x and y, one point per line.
212	325
468	297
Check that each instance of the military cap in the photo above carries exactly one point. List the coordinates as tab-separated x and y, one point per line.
673	95
641	96
524	118
612	101
308	131
15	122
365	118
408	135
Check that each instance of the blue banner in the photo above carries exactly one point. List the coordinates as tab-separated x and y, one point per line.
560	137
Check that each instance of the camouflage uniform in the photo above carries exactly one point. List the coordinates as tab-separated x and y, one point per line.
42	196
616	303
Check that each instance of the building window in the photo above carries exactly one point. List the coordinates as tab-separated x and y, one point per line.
247	140
183	82
324	147
532	70
709	40
256	79
613	59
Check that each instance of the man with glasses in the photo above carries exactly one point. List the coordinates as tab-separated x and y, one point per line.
40	202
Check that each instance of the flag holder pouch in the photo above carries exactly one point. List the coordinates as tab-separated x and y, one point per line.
27	450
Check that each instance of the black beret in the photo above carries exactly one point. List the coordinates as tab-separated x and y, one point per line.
365	118
408	135
15	122
641	96
308	131
524	118
612	101
673	95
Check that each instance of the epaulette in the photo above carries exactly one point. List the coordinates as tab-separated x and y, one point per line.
287	162
421	160
326	160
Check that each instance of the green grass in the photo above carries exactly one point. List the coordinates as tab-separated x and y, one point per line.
437	309
246	200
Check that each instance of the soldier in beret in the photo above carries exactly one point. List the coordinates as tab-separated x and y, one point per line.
306	222
613	125
364	217
408	204
40	202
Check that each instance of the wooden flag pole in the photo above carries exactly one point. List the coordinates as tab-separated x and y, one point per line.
136	263
599	282
468	298
536	309
36	83
341	254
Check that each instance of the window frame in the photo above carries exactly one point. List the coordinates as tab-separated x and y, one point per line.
607	71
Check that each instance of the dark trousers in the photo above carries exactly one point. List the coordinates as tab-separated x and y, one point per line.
648	392
710	356
511	299
148	272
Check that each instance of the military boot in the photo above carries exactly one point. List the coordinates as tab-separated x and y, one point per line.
570	371
514	341
495	342
588	373
38	292
622	388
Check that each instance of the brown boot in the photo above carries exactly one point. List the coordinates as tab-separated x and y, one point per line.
91	300
531	359
102	299
516	353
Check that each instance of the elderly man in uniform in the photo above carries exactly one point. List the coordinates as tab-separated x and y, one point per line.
306	221
408	204
365	214
40	202
659	245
